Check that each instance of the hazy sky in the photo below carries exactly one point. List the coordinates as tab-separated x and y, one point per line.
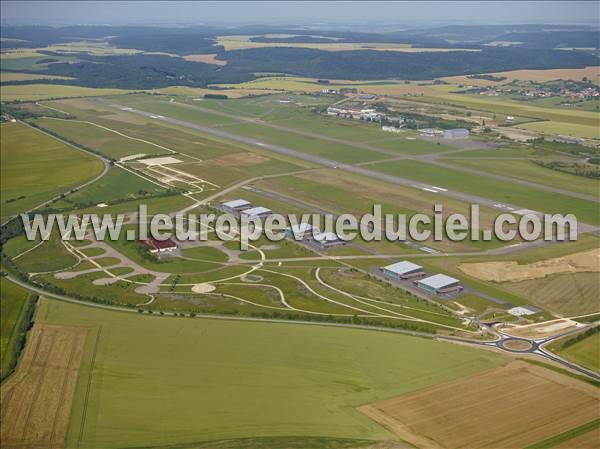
224	12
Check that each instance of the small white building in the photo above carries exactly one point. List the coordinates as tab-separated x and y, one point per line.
439	283
257	212
458	133
236	206
301	232
430	132
523	311
391	129
403	270
328	239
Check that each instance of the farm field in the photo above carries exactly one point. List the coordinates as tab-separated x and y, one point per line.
35	92
12	76
14	306
555	403
239	369
36	167
592	73
36	401
239	42
584	352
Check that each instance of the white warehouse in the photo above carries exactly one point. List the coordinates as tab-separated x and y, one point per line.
439	283
403	270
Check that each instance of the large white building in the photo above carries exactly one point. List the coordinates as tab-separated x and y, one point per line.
257	212
403	270
236	206
328	239
439	283
301	231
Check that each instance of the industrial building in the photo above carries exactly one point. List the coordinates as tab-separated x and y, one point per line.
439	283
403	270
301	232
328	240
236	206
458	133
257	212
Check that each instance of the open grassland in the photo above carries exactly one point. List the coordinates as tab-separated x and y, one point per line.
481	411
35	92
36	401
530	171
36	167
499	190
564	129
242	379
239	42
117	186
51	255
15	308
585	352
99	139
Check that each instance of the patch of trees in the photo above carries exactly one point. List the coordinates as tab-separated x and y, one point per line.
487	77
181	44
140	72
554	39
17	343
572	168
216	96
369	64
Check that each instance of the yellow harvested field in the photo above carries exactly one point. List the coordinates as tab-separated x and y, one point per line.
239	42
35	92
511	271
207	59
200	92
36	400
13	76
513	406
589	440
592	73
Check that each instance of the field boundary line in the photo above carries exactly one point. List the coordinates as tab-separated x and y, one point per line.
88	387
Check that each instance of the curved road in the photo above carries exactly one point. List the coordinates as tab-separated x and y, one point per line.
499	343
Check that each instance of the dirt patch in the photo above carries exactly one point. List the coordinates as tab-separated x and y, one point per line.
515	405
36	401
239	159
203	288
541	330
511	271
206	59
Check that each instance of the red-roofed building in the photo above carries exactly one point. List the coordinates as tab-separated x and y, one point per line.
160	246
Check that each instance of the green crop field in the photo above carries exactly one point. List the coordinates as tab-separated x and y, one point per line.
207	379
14	304
15	76
36	167
584	352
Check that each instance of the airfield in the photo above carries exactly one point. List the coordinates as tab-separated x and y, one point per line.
318	333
